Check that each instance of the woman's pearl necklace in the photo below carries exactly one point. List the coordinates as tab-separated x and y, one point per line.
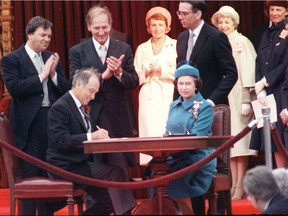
157	48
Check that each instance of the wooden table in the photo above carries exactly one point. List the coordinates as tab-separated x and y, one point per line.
159	148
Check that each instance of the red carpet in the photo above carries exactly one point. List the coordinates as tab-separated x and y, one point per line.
240	207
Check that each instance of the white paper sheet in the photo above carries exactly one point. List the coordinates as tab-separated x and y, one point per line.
268	101
144	159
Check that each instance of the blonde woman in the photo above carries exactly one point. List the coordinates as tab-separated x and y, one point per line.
226	19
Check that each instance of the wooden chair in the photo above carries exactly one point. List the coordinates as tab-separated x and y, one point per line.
37	188
222	179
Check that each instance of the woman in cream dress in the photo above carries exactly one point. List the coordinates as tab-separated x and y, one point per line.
227	20
155	63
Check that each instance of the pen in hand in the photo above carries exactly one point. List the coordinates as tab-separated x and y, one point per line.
101	133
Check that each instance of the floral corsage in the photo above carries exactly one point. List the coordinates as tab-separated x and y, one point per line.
87	112
195	109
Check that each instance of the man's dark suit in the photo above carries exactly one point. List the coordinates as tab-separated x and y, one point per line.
67	131
278	205
23	84
212	55
27	117
111	109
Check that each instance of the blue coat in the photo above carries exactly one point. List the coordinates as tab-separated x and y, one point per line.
180	120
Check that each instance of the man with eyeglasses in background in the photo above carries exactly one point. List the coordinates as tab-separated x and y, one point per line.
210	51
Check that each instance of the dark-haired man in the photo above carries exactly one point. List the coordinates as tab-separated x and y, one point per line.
211	52
35	80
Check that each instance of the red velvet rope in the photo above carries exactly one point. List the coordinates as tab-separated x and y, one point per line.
124	185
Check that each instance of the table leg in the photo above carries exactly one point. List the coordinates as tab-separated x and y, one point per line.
161	204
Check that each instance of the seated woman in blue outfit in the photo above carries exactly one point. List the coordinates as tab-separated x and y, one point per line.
190	114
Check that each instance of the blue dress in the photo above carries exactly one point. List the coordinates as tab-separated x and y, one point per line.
180	120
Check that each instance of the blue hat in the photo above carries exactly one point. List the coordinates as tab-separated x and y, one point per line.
186	70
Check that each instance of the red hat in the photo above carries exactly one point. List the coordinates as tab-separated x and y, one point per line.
283	3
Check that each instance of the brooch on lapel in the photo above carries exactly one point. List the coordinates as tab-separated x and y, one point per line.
238	47
195	109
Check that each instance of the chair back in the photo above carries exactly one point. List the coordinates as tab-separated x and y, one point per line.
221	124
11	162
222	127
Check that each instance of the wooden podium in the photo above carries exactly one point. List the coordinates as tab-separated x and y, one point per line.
159	148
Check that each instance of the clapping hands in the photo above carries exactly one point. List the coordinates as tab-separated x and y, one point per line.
49	68
113	67
154	65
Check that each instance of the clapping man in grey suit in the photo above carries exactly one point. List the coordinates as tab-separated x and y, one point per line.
111	109
67	130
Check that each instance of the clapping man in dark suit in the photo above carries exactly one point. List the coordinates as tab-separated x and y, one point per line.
67	129
111	109
35	80
210	51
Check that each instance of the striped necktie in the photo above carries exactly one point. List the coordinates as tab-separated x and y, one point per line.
86	117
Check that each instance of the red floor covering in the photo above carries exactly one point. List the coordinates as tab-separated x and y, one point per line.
239	207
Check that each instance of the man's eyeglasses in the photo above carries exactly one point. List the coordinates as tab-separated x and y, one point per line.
181	13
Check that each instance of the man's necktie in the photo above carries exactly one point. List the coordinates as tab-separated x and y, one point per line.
190	46
86	117
39	64
102	53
